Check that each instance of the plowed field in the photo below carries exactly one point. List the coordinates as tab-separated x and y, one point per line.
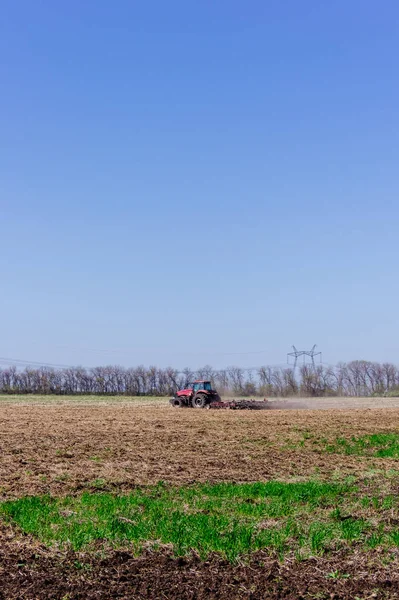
65	449
47	449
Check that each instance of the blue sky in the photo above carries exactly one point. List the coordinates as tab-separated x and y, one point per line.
193	182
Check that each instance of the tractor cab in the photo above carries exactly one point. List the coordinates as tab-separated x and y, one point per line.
201	385
194	387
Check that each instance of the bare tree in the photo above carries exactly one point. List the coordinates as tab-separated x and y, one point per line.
236	377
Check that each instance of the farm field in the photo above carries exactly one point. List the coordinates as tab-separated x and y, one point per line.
300	403
130	498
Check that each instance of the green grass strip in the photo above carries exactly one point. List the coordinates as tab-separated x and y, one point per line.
381	445
231	519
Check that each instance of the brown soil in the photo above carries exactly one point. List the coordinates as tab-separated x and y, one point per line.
63	449
31	572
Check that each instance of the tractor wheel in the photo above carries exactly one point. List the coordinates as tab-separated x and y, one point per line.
199	401
177	402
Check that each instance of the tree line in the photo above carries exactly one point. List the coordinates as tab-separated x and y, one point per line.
355	378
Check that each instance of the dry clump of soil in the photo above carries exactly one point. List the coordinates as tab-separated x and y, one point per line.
64	449
29	571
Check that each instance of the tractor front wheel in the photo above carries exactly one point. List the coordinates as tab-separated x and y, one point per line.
177	402
199	401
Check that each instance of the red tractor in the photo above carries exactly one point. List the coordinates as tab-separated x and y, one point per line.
198	394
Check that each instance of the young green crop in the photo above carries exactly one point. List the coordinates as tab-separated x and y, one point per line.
382	445
231	519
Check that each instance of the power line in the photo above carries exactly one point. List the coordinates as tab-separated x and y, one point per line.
128	351
26	363
298	353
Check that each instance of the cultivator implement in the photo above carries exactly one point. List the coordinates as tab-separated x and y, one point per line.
229	404
241	404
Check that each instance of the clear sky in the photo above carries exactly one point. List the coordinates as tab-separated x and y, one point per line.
199	181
